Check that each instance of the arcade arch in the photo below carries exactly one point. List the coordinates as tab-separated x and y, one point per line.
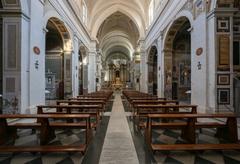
58	60
152	71
177	59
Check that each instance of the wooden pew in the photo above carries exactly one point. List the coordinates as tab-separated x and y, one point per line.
142	110
82	102
93	110
136	103
99	94
135	95
8	131
148	108
226	131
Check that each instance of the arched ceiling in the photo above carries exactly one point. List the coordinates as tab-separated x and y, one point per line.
117	25
100	10
118	34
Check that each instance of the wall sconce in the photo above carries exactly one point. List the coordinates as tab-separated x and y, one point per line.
199	66
36	64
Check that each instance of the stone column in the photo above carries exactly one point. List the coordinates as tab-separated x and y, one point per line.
143	68
160	66
92	68
75	66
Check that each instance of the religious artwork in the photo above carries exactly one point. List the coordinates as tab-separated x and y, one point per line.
184	75
224	52
223	24
223	96
199	51
225	3
223	79
36	50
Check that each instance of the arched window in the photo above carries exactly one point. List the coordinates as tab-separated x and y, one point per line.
150	12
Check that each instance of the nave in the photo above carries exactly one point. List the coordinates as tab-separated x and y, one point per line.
120	135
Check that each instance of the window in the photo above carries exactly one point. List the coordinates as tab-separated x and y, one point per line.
84	14
150	12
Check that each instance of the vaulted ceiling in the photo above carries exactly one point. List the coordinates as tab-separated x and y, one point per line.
118	25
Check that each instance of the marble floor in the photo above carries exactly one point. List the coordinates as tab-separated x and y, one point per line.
116	141
180	157
118	145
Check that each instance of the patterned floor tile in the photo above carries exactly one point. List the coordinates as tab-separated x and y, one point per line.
54	158
35	161
6	161
167	139
67	160
183	156
213	156
77	158
62	138
199	160
229	160
207	139
69	140
24	158
160	157
27	140
170	160
172	134
232	154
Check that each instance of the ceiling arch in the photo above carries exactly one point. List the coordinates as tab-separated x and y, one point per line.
116	40
101	16
173	30
116	55
136	3
118	48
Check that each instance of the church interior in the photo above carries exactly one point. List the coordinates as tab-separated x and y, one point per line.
119	81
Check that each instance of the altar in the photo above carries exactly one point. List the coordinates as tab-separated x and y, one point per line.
118	84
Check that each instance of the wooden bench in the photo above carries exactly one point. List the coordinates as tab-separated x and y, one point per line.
138	96
138	103
8	131
227	131
82	102
141	111
93	110
99	94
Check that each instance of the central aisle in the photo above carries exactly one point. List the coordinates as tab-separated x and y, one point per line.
118	145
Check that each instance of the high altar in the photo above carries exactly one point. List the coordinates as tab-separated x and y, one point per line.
118	84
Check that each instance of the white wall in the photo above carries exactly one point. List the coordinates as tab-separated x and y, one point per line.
198	79
37	39
25	67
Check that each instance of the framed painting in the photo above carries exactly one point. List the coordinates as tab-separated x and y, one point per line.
223	79
223	96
